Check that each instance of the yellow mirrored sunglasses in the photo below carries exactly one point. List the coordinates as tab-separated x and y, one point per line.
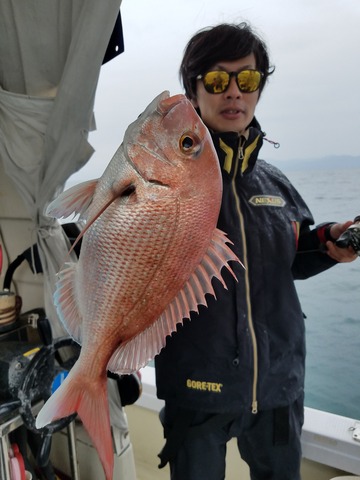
218	81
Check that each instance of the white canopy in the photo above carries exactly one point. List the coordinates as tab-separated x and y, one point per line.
51	52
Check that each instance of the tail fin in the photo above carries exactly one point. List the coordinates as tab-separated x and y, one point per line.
89	400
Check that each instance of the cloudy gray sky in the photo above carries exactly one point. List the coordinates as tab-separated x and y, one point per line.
311	105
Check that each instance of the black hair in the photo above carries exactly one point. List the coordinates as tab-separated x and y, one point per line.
224	42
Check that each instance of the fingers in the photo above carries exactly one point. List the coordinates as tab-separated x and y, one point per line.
342	255
338	228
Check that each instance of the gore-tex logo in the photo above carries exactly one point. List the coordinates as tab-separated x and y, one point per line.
267	201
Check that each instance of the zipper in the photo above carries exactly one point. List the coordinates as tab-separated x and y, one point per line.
254	403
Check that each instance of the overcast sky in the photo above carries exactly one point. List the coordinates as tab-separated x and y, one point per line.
311	105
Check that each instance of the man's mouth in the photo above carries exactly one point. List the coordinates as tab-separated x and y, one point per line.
231	111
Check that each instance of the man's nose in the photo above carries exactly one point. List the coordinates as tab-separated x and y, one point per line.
233	90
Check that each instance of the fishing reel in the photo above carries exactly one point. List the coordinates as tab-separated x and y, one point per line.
351	237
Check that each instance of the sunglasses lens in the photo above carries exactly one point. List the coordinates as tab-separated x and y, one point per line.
216	82
249	80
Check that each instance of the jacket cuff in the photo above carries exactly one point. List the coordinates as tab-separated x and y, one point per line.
323	232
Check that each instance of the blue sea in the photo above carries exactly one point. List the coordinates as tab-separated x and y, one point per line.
331	300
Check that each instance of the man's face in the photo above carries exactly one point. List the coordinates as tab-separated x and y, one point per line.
232	110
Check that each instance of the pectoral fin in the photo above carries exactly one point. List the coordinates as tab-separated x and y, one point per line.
75	200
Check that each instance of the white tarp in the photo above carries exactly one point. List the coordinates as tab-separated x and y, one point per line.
51	52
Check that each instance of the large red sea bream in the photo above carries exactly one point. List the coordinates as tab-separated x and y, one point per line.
150	249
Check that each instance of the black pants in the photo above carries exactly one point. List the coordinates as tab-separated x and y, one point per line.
269	442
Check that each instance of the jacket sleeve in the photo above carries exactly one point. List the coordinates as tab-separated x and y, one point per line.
311	257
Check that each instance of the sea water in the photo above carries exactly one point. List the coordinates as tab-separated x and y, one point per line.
331	300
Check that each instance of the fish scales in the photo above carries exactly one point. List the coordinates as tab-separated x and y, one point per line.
150	248
133	273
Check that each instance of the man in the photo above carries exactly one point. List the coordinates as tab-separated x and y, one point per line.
237	368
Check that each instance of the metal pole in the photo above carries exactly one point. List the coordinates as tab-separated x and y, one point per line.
4	459
72	451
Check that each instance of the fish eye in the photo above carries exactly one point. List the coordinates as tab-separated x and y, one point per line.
189	143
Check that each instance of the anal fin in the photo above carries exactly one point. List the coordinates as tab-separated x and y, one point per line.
65	302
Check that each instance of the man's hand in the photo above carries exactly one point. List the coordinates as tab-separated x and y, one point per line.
341	255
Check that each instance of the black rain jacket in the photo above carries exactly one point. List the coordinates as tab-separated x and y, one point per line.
247	349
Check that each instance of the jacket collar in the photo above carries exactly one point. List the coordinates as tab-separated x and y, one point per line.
231	146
